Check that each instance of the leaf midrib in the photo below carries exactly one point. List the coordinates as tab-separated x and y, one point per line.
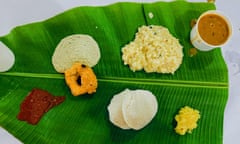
128	80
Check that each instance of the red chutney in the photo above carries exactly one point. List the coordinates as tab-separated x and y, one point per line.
36	104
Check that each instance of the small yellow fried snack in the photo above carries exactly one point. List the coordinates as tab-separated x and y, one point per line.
81	79
186	120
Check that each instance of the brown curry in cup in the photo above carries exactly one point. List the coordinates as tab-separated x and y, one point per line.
213	29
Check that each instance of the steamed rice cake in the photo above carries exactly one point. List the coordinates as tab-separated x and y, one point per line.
75	48
132	109
115	110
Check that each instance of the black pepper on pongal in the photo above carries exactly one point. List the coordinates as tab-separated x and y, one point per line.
74	56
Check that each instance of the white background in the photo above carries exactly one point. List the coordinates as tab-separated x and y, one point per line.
18	12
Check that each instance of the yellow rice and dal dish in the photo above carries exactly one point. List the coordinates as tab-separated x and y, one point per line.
154	49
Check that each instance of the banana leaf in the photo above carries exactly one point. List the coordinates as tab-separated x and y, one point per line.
201	81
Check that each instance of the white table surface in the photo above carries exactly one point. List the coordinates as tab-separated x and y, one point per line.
18	12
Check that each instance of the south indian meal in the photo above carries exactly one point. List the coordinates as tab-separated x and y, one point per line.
153	50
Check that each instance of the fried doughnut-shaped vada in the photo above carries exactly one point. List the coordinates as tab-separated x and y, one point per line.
81	79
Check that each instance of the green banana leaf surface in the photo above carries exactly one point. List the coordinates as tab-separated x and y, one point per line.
201	81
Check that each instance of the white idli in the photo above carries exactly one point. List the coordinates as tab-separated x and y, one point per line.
7	58
75	48
115	110
139	107
132	109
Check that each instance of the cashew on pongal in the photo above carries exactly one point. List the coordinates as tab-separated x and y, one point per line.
74	56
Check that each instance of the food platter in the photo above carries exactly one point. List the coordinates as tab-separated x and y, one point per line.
201	82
